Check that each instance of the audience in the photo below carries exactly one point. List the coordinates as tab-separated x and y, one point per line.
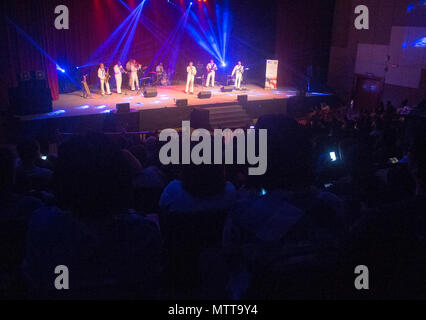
342	189
29	174
110	251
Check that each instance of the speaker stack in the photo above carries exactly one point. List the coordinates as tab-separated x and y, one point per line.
32	96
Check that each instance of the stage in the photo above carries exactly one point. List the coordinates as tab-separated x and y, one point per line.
73	104
72	113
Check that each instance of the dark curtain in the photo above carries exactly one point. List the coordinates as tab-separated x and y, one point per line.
303	39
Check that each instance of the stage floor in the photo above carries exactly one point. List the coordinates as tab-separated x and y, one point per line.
73	104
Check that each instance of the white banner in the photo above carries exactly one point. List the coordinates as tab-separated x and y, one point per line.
271	74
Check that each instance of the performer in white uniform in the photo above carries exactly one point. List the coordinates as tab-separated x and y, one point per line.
192	71
211	73
102	76
238	72
134	80
160	72
118	71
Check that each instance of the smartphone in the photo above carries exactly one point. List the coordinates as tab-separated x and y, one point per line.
333	156
44	158
393	160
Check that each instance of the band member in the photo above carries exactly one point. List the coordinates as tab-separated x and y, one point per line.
102	75
134	80
238	72
211	72
118	71
192	72
160	72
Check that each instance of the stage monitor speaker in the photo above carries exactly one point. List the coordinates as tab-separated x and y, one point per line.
38	75
123	107
24	76
242	98
181	102
27	101
205	95
227	89
150	92
200	119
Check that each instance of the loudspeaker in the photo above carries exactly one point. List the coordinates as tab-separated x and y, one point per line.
123	107
38	75
242	98
205	95
181	102
150	92
24	76
227	89
26	101
200	119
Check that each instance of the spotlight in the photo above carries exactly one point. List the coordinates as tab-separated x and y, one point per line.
224	64
60	69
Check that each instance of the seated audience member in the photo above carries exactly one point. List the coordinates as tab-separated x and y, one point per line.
29	175
15	211
110	252
289	218
192	217
149	183
390	240
201	188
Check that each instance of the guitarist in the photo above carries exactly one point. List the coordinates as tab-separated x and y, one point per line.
104	78
211	73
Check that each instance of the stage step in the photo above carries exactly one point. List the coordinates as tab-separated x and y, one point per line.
231	117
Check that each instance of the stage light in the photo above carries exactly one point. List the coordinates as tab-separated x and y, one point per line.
83	107
56	113
224	64
420	43
60	69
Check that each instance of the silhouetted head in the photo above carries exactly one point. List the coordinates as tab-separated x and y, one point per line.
28	151
7	170
92	176
289	153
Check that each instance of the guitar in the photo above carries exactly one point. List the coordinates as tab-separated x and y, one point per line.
210	69
86	91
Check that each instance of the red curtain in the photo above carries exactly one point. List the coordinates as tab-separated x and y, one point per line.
91	22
